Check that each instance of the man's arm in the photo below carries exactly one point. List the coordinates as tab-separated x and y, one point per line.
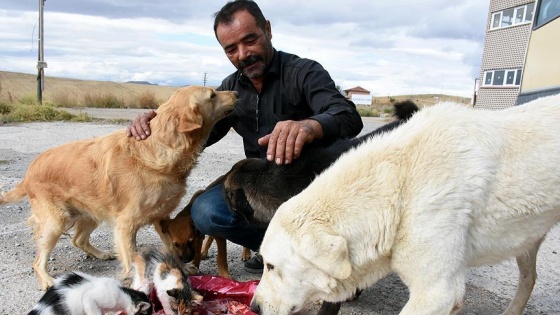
333	111
334	118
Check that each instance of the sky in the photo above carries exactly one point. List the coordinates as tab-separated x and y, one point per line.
389	47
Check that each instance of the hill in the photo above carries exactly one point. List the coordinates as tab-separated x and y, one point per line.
420	99
17	86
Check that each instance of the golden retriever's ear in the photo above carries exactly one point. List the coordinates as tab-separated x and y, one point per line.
190	122
328	252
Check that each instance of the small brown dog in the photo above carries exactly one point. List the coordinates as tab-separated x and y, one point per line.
221	258
188	242
118	179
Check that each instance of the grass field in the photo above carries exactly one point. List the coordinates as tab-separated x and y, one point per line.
18	97
20	87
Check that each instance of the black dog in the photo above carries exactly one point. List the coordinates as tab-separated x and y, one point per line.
255	188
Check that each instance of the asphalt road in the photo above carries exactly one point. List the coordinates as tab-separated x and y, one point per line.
488	288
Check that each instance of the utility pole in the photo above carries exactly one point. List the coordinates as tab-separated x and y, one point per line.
41	64
204	79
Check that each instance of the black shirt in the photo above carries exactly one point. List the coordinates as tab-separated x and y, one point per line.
294	88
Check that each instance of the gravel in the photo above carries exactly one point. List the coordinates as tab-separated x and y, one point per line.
488	288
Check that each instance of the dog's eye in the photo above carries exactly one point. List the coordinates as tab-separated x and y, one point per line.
269	267
175	244
213	95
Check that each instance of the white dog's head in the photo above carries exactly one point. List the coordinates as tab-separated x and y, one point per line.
303	261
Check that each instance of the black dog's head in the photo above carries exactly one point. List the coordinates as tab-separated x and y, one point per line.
252	190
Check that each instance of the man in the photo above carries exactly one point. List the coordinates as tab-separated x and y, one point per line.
284	102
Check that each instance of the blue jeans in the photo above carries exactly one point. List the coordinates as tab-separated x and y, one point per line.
212	216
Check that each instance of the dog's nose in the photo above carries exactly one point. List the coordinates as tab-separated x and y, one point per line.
255	307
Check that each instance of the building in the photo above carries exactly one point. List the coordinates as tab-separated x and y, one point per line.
358	90
359	95
521	49
507	34
541	70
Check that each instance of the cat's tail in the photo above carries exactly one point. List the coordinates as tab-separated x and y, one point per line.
14	195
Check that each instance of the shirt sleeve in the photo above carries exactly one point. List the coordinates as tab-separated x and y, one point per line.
337	115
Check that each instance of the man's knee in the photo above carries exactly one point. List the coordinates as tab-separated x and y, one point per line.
210	213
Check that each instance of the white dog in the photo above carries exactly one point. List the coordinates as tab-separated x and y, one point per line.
452	188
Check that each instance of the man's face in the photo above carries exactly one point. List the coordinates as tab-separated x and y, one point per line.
248	47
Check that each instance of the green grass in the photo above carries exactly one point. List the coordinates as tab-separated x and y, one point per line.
367	111
5	108
26	112
103	101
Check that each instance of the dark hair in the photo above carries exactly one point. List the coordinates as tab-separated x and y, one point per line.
225	15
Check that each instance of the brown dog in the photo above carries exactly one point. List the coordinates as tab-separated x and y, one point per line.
221	244
118	179
188	242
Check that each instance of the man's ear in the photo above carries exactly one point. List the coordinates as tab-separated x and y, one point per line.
190	121
328	252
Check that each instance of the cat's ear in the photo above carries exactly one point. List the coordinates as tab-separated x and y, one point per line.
174	293
143	308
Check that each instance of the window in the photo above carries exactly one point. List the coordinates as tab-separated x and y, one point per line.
488	78
507	18
513	16
496	17
530	11
548	10
519	15
506	77
510	77
498	77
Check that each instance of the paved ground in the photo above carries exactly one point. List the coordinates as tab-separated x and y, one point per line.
488	289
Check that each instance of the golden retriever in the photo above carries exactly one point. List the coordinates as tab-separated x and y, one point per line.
118	179
452	188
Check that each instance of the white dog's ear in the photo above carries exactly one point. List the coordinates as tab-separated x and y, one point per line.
328	252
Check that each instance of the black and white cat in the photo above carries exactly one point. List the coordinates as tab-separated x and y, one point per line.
164	276
78	293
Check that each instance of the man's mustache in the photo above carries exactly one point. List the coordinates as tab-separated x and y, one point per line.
249	61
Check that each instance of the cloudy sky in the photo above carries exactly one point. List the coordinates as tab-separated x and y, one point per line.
390	47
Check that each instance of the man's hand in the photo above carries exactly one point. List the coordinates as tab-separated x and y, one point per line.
288	137
140	126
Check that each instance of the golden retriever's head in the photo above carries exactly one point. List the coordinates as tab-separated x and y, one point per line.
197	107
